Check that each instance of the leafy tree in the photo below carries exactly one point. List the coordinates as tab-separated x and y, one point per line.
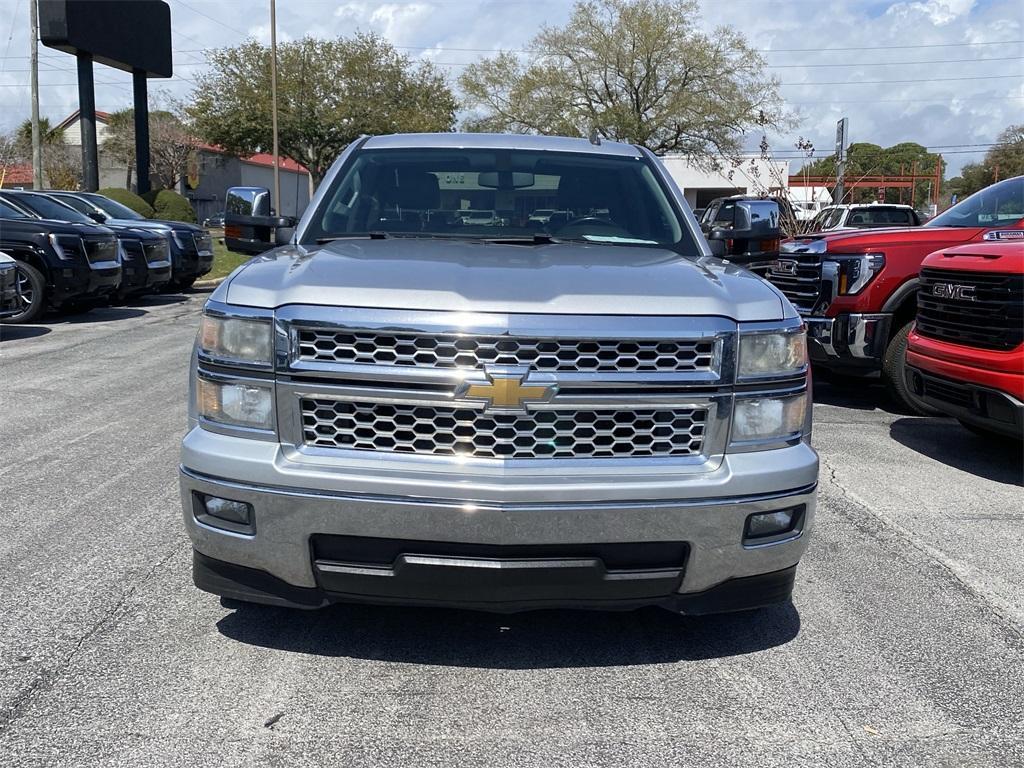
62	164
329	93
172	144
1007	156
631	70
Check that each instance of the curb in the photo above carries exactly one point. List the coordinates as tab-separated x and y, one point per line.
208	283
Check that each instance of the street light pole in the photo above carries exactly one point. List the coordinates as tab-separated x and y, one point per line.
273	103
37	148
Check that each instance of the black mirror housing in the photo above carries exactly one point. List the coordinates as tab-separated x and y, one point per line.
250	225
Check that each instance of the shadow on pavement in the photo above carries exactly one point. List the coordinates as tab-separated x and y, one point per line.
12	332
533	640
946	441
97	315
861	395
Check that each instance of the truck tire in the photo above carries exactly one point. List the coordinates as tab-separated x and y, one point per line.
894	366
33	294
182	285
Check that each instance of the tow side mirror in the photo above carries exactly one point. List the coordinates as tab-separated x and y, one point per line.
250	225
716	237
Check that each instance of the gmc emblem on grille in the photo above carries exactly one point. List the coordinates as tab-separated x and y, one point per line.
953	291
784	267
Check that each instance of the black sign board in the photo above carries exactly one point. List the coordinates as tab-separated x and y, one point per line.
124	34
133	35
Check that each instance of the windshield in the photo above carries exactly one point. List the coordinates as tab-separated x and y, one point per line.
51	209
828	218
8	211
112	208
498	194
995	206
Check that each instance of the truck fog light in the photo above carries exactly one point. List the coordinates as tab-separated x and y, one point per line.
765	527
226	514
242	405
226	509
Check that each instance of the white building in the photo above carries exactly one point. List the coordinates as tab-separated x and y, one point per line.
749	174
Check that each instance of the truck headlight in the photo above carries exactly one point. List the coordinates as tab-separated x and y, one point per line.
856	270
66	246
781	353
237	340
764	419
247	404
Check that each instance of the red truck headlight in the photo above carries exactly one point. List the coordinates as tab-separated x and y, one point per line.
856	270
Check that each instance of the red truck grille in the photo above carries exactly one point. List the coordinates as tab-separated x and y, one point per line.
977	309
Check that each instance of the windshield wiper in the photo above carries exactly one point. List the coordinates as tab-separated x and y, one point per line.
359	236
537	238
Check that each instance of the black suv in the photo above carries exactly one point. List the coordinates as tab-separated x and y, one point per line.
59	263
145	260
191	245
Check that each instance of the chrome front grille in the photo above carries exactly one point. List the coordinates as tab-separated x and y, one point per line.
473	433
466	352
798	276
99	250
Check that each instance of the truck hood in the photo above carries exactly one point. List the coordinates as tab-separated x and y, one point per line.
467	276
158	225
859	239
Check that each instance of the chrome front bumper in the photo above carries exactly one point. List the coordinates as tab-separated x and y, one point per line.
855	338
291	505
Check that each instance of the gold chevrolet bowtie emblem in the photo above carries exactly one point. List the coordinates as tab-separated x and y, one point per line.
507	391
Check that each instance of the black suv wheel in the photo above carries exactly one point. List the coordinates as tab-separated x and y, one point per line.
32	286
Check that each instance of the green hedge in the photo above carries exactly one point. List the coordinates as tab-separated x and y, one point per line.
170	206
130	199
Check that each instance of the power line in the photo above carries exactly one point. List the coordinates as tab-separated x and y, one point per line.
208	16
916	80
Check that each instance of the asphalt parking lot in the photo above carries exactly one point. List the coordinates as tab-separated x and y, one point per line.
904	645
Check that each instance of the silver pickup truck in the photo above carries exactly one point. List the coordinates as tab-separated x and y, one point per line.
402	406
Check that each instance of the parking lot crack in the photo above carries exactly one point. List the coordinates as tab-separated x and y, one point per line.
46	679
1011	616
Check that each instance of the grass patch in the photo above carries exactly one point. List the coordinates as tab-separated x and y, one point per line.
224	262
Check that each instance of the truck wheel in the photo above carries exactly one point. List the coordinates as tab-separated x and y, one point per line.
182	285
894	366
33	294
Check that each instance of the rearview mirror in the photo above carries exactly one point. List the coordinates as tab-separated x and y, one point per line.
249	223
505	179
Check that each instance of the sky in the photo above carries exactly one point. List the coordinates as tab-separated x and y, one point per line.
948	74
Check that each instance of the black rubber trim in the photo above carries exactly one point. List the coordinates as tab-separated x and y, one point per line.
256	586
989	409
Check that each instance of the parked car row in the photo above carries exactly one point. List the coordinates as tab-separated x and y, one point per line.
72	249
960	276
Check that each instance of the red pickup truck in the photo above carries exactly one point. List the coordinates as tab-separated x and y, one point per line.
857	290
965	355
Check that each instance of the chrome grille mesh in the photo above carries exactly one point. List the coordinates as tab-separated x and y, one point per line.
473	352
453	431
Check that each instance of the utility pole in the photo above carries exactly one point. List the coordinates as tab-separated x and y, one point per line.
273	103
37	148
841	138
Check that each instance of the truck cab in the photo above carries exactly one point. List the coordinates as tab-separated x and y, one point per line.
857	290
392	404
